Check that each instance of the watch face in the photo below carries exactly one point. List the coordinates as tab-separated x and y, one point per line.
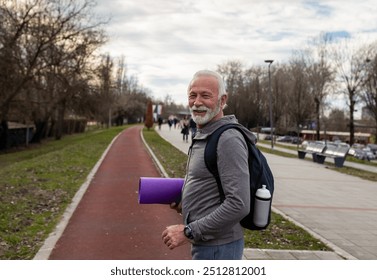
188	233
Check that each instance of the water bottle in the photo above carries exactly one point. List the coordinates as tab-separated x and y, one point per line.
262	206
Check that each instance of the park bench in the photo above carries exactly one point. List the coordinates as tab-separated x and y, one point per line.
338	153
312	148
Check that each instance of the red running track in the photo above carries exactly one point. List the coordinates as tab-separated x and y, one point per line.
108	223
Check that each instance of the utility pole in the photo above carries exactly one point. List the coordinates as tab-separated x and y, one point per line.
269	61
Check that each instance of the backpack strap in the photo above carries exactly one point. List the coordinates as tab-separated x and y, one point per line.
210	155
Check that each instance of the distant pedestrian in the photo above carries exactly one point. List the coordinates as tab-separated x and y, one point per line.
170	121
159	123
185	125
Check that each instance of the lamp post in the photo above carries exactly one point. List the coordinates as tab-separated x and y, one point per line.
269	61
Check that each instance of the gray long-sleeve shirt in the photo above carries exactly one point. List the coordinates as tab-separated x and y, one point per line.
213	222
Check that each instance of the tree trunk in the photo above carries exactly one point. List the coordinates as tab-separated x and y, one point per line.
4	135
60	121
352	125
40	131
317	114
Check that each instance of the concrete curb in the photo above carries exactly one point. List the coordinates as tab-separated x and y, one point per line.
335	248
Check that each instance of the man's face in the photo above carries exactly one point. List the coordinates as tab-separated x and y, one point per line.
204	101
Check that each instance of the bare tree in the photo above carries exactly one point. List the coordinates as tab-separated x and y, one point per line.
300	100
350	63
40	41
15	67
320	75
130	98
232	72
369	95
106	88
253	112
336	120
282	79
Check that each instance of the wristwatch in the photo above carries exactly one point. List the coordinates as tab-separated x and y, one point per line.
188	232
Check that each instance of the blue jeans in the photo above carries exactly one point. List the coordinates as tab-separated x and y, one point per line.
229	251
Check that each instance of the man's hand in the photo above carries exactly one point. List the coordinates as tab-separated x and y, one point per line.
173	236
176	206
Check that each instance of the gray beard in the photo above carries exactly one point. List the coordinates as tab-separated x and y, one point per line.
210	114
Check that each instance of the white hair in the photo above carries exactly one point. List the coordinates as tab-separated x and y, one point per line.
219	78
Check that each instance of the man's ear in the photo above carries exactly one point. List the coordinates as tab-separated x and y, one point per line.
224	99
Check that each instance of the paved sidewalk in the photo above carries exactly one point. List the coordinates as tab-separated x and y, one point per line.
339	209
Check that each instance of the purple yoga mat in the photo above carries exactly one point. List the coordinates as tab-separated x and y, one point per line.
160	190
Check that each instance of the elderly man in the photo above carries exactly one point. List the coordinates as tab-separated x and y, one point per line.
210	225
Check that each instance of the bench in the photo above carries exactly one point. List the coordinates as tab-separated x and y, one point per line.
313	148
338	153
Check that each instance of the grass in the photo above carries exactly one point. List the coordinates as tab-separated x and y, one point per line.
38	183
371	176
172	159
281	234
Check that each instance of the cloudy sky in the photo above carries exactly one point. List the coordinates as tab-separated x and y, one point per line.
165	41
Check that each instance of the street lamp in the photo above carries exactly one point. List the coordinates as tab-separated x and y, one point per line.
269	61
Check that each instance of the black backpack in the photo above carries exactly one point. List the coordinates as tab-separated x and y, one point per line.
260	172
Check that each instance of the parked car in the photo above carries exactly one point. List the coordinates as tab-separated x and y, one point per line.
358	146
370	155
286	139
358	153
364	154
296	140
268	137
373	148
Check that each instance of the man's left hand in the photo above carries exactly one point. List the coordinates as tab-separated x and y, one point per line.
173	236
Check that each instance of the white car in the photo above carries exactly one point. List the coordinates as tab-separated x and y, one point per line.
369	154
